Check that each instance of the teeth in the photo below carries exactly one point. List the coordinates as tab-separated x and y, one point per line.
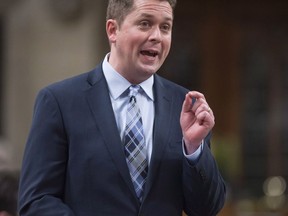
149	53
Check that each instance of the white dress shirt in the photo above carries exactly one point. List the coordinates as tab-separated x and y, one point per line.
118	90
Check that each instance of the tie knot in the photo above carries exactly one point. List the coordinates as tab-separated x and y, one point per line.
133	90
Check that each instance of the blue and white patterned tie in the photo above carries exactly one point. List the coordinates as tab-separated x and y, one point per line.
134	141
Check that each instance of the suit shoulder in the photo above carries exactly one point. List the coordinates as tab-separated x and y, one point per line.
74	84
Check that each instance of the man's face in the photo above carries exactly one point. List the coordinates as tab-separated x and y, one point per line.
141	44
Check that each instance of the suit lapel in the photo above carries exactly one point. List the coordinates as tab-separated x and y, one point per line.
162	123
99	102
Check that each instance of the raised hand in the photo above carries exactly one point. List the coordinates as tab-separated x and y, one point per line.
196	120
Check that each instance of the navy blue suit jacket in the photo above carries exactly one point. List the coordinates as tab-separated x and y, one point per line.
74	162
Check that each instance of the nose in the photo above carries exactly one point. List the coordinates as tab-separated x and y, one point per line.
155	35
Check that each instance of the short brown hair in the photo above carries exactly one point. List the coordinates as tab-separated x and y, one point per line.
119	9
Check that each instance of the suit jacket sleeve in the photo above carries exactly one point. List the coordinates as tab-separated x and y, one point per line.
42	179
203	186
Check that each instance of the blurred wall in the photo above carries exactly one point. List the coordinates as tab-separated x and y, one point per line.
44	41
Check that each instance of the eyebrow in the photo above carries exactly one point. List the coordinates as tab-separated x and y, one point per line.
146	15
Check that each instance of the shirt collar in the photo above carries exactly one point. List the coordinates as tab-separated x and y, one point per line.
117	84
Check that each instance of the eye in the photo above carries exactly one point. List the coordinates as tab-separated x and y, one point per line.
144	24
166	27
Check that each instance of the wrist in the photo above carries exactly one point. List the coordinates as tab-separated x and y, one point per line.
190	148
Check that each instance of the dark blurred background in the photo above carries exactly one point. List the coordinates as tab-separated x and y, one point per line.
235	52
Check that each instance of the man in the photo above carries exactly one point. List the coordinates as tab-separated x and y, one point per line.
119	140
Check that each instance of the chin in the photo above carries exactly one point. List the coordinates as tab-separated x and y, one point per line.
150	69
150	72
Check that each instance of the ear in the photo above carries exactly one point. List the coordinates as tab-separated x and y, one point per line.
111	30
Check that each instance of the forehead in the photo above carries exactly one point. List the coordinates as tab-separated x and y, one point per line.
153	7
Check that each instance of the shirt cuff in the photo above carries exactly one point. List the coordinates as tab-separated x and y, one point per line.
195	156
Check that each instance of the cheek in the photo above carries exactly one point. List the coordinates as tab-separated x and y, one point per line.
131	44
166	47
167	42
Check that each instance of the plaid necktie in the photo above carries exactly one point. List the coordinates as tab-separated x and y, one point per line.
134	141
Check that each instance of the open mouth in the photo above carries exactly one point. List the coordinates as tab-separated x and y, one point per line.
149	53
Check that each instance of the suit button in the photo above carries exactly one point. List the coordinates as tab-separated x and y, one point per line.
203	176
